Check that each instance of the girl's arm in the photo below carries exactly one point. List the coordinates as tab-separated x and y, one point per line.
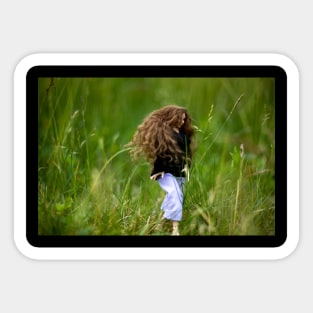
186	171
157	175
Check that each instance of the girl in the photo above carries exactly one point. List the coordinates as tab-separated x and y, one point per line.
165	139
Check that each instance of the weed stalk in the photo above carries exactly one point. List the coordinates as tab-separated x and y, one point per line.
239	182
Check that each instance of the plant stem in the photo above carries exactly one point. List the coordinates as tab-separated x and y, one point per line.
239	181
220	129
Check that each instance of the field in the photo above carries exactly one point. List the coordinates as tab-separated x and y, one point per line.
88	185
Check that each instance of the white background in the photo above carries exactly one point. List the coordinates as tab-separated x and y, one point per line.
164	26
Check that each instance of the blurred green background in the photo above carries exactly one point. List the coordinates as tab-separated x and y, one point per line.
87	184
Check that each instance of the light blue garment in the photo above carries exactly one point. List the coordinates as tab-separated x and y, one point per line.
173	202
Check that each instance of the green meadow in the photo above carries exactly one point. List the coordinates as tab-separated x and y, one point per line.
88	185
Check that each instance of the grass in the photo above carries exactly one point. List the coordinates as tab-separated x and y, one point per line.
87	184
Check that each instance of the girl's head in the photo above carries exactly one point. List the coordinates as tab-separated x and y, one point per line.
174	116
154	137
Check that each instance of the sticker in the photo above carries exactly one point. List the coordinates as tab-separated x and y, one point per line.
156	156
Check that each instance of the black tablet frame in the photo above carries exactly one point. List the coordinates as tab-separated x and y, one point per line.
111	71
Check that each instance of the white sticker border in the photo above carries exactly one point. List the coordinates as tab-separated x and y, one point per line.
98	59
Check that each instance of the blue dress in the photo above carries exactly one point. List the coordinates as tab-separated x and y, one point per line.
173	202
